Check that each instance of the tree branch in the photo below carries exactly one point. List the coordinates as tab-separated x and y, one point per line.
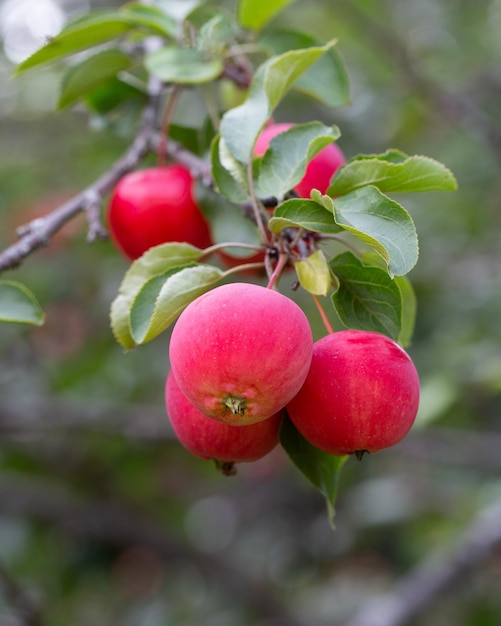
20	601
38	233
435	575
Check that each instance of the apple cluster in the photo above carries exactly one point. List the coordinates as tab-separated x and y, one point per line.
242	356
242	359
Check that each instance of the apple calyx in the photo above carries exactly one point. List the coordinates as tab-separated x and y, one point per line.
227	468
360	454
236	404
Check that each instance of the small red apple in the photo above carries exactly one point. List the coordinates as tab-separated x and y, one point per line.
361	394
153	206
320	169
208	438
240	352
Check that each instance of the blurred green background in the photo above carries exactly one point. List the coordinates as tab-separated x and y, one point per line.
105	519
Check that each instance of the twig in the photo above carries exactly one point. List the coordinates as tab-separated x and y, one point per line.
436	574
199	168
39	232
92	206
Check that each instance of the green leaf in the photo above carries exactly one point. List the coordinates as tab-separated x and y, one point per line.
101	26
326	80
255	14
144	303
153	262
314	274
216	34
284	163
197	140
184	66
302	213
162	299
380	222
19	305
321	469
229	175
391	174
90	30
409	309
227	221
392	155
271	82
109	95
152	18
90	73
367	298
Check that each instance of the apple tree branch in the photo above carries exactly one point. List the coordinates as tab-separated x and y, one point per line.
439	572
39	232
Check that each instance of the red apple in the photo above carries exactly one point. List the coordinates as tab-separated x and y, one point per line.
208	438
319	170
240	352
361	394
153	206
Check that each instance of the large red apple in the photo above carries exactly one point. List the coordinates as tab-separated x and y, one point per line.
153	206
361	394
240	352
208	438
319	170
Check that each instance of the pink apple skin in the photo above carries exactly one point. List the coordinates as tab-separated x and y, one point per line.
153	206
320	169
208	438
240	352
361	394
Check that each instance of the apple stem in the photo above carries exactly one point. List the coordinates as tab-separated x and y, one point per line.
297	238
166	120
258	215
229	244
244	267
282	261
323	315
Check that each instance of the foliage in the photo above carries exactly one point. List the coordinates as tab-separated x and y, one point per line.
161	284
356	261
